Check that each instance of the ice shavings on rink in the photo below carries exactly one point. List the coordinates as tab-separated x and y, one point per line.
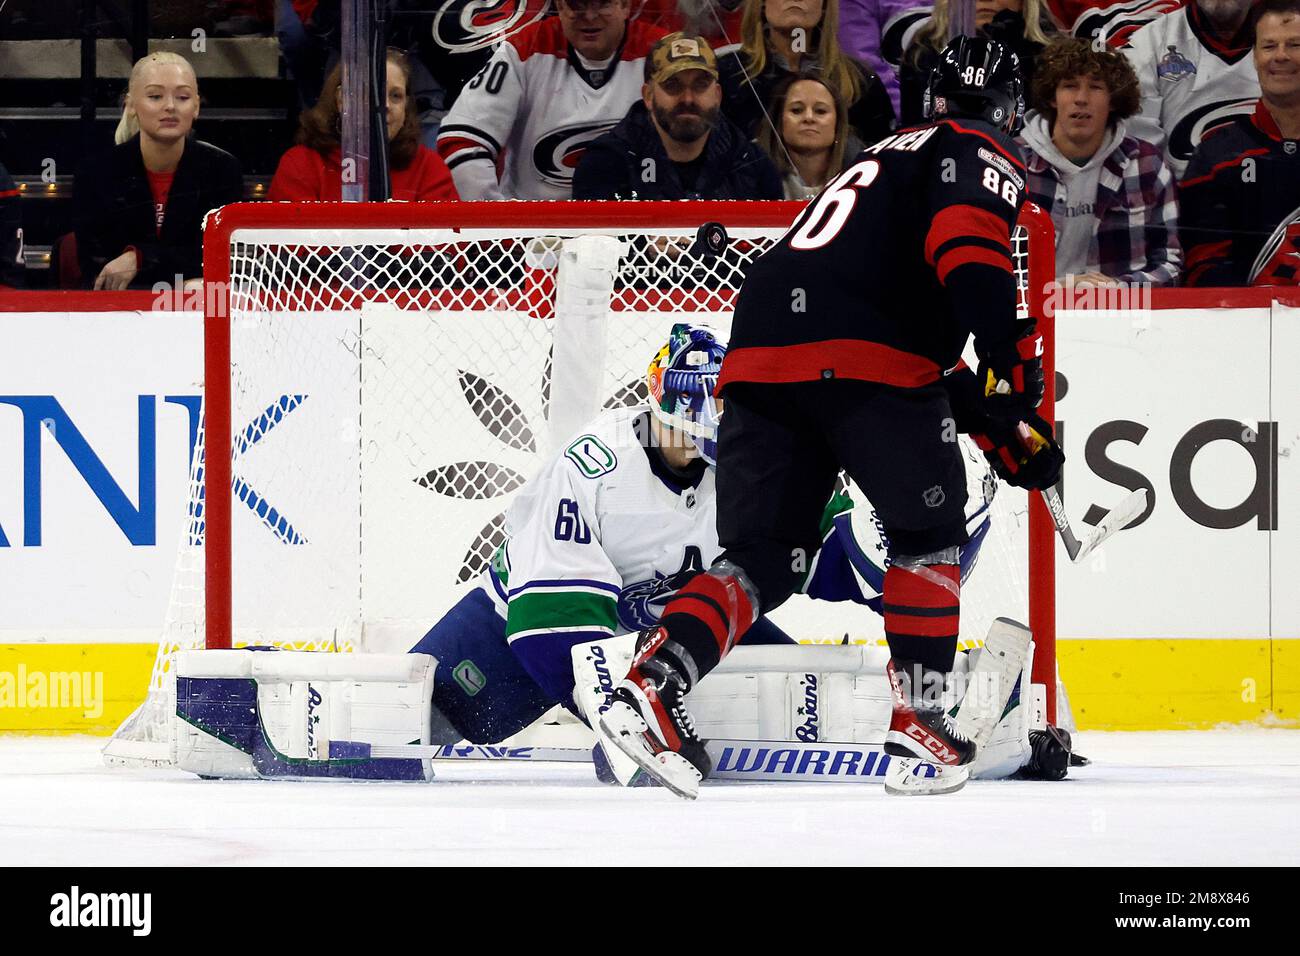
1194	797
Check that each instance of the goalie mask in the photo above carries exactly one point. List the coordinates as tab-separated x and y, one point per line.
681	380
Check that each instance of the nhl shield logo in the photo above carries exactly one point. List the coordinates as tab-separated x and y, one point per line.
934	497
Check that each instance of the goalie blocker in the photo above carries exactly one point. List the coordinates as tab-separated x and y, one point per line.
773	713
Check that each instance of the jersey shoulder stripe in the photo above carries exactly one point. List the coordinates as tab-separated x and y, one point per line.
1007	148
541	39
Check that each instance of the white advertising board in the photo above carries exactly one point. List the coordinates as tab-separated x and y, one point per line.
97	412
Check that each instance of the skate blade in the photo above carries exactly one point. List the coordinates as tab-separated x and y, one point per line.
623	725
902	779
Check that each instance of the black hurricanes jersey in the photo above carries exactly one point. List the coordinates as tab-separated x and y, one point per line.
885	274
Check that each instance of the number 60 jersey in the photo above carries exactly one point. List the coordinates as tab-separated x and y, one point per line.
887	272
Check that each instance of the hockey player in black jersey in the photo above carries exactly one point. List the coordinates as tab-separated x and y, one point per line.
846	353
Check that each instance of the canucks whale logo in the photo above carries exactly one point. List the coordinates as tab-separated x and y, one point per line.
640	605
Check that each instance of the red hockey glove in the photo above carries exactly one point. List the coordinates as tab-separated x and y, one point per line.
1012	373
1024	455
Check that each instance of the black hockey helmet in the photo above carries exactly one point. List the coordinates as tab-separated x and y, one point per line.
980	79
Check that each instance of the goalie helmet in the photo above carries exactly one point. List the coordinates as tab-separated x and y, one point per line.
681	380
980	79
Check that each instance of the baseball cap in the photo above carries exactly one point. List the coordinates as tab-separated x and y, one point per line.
679	51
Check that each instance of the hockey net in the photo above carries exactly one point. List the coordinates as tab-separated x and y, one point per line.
381	378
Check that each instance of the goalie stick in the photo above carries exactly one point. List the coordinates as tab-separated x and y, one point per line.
759	760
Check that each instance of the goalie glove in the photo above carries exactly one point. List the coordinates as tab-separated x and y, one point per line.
1024	455
1012	375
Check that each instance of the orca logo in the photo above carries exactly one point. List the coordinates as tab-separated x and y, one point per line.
641	604
556	154
463	26
1191	129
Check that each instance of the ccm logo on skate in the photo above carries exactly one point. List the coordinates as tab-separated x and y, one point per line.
807	731
74	909
932	744
602	675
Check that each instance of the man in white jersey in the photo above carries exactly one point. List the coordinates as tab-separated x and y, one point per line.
547	92
1196	72
600	540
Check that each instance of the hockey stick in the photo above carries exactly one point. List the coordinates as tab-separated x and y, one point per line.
1118	518
757	760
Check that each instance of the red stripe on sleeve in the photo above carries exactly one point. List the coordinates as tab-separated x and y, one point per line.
963	221
963	255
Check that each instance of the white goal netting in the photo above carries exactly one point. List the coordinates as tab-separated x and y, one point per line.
391	388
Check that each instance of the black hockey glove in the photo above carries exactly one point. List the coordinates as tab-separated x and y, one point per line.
1012	375
1023	454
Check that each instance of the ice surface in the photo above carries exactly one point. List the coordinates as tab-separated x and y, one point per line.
1224	797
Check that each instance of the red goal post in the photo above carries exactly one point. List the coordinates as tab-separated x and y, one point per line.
439	256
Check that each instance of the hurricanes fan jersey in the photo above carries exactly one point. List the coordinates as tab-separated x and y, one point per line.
885	274
1191	83
1116	20
537	102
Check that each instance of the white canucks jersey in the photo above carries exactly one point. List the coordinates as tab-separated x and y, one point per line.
602	537
537	102
600	540
1191	83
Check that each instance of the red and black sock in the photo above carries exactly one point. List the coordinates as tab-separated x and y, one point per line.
922	605
704	620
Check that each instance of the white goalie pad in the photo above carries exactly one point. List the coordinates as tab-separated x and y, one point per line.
301	714
807	694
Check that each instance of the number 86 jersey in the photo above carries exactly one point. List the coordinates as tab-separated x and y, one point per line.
886	273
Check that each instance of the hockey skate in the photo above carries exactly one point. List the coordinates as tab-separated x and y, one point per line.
922	733
647	720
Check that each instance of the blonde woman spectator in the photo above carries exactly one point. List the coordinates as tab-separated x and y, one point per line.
814	136
784	38
1024	26
140	206
313	169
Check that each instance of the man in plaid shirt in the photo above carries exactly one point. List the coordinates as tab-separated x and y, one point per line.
1111	196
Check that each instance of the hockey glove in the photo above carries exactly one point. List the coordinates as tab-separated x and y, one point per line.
1024	455
1012	373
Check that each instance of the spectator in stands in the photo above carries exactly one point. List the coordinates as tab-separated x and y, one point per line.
313	169
303	51
782	38
873	31
139	208
1241	196
814	136
1111	197
545	95
1196	72
675	143
1022	25
11	233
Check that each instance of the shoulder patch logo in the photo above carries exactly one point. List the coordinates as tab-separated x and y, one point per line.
592	456
1004	165
463	26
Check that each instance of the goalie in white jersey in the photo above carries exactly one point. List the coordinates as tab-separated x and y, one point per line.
600	540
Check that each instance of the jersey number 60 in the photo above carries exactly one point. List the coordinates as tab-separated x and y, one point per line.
830	211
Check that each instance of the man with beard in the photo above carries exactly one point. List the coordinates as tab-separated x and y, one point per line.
675	143
1196	73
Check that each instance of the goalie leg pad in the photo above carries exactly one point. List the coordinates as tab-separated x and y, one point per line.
480	686
269	714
